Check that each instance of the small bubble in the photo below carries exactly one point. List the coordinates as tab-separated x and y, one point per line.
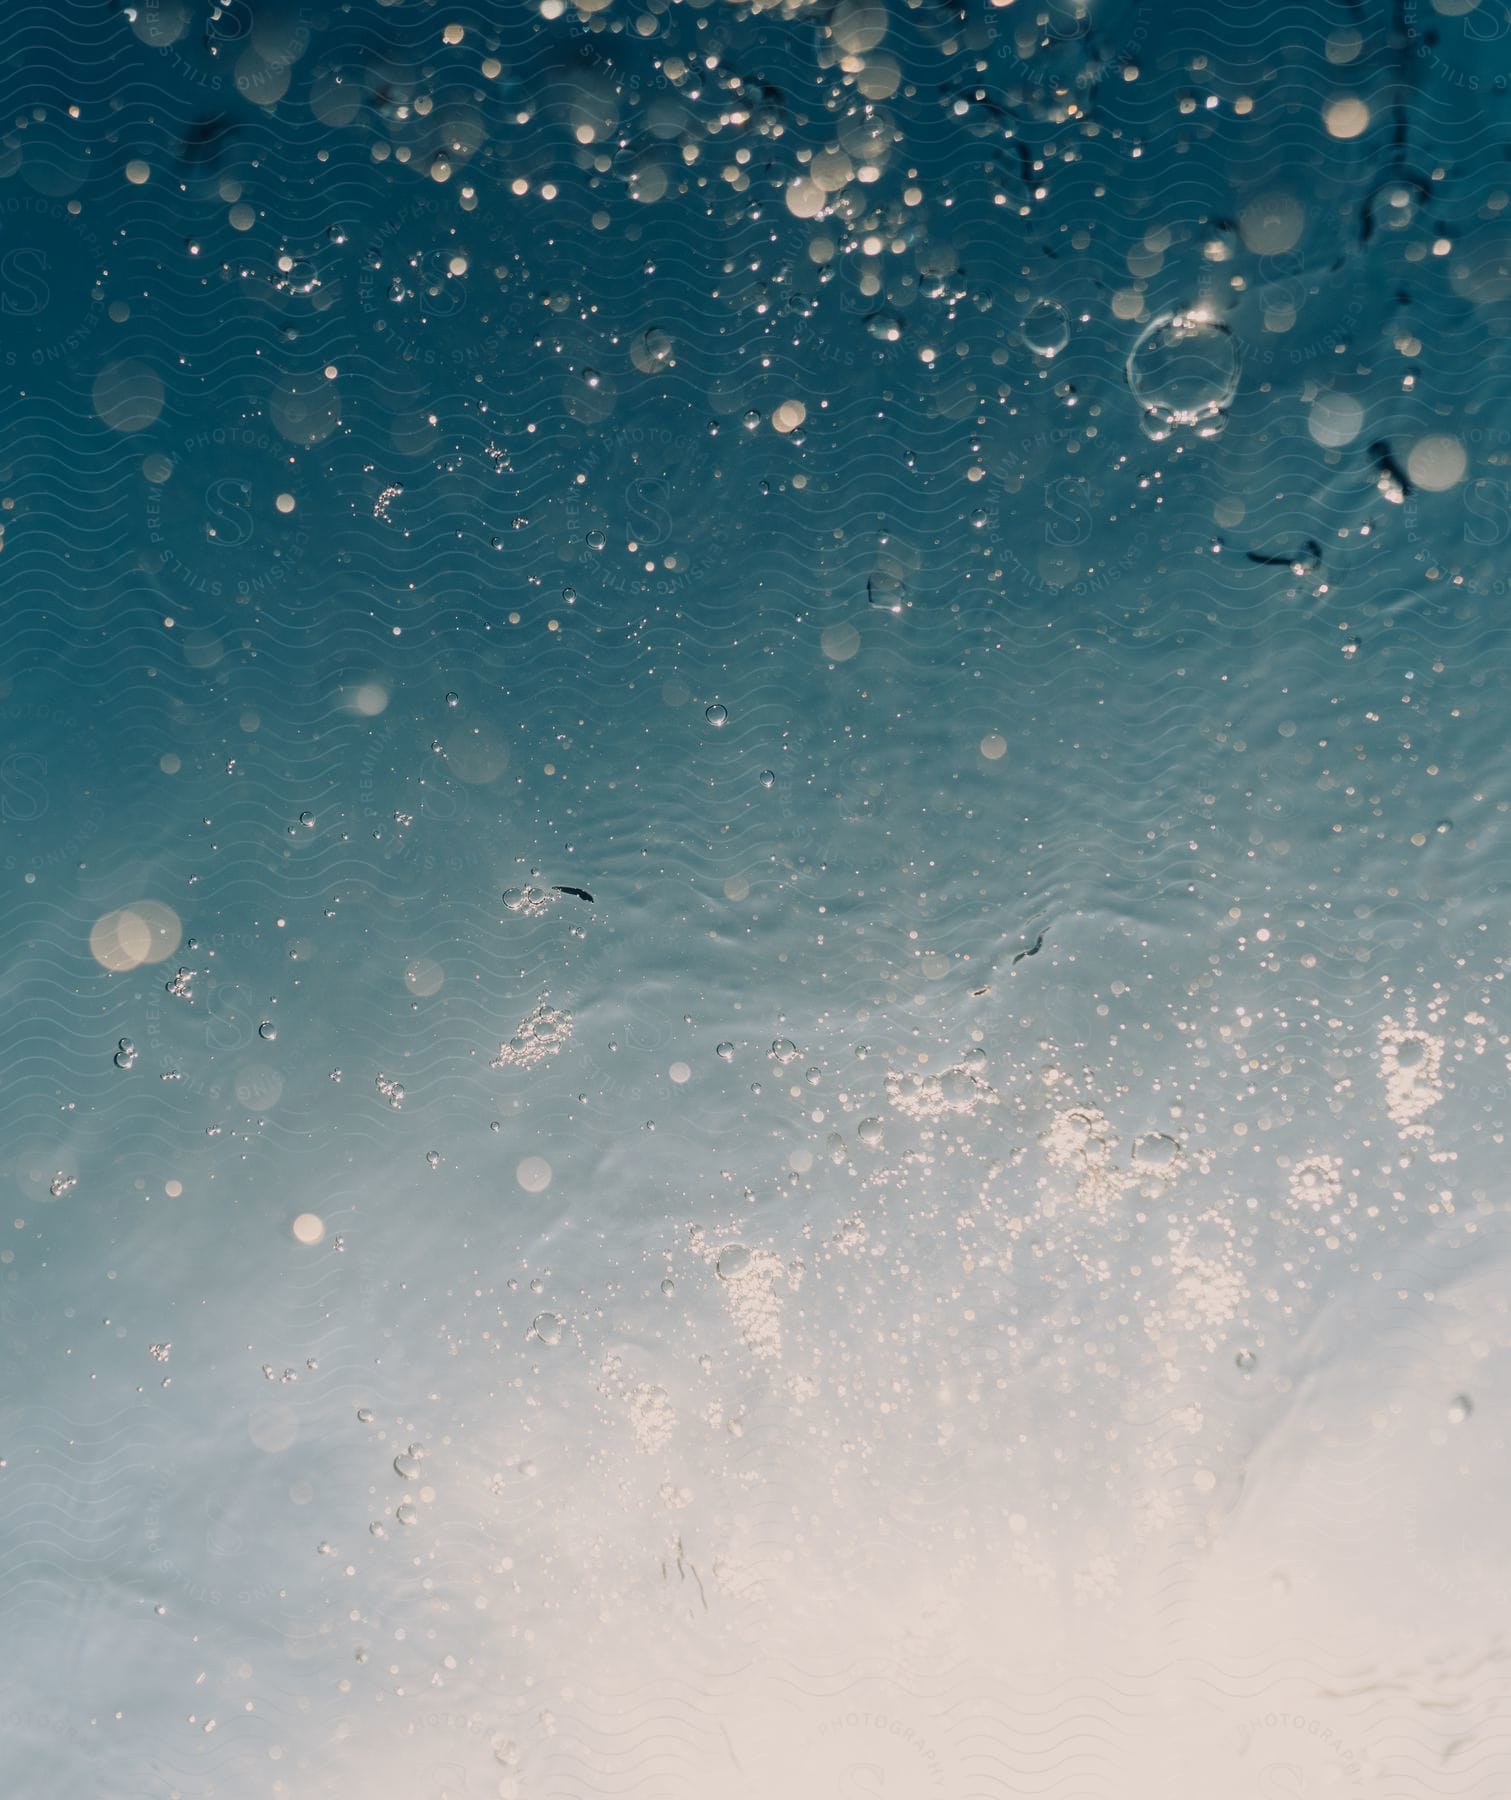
406	1512
548	1327
406	1464
1459	1409
267	1030
734	1260
1156	1150
783	1050
869	1132
1046	329
768	778
1245	1362
717	716
433	1158
307	820
596	539
668	1287
725	1052
453	699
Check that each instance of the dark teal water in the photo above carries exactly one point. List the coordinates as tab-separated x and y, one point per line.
754	810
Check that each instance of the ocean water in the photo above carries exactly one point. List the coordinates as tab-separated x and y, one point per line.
754	810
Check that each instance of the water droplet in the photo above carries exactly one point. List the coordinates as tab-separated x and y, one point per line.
734	1260
869	1133
267	1030
783	1050
717	716
364	1415
453	699
668	1287
548	1327
1046	329
887	592
596	539
307	820
406	1512
653	351
407	1463
768	778
1183	370
433	1158
725	1052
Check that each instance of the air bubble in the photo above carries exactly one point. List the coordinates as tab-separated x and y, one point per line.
1183	370
1046	329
